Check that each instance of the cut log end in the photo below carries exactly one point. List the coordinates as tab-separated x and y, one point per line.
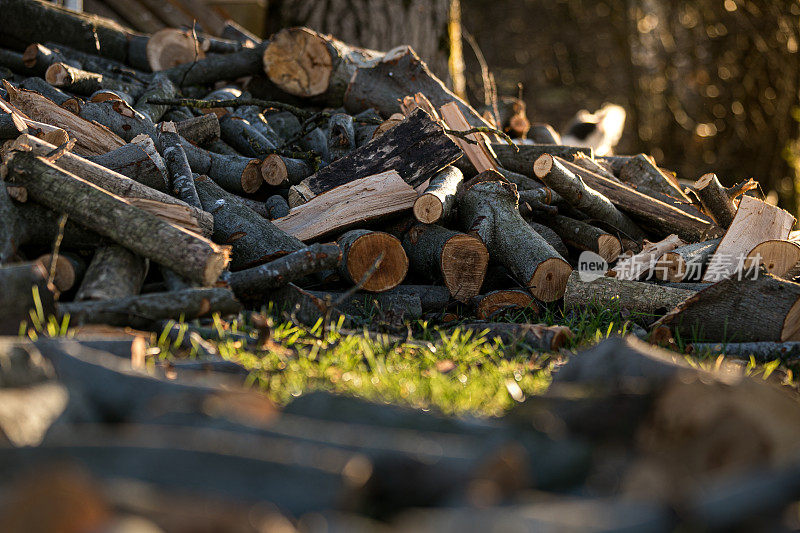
704	180
791	325
671	267
252	178
363	253
65	274
428	209
171	47
608	247
549	280
31	54
104	96
464	263
273	170
779	258
503	300
58	75
299	62
542	165
216	264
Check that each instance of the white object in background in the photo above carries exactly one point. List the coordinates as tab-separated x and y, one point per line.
600	130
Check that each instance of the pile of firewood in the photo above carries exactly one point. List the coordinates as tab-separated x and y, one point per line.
153	177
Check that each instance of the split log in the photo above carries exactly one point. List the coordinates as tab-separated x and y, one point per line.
635	266
113	273
182	181
199	130
439	253
489	306
341	135
642	171
253	284
779	258
715	200
349	205
12	126
591	164
739	310
25	288
280	171
234	173
686	263
92	139
142	311
276	206
755	222
538	337
138	160
634	296
551	237
111	216
86	83
159	87
211	69
478	153
109	180
361	249
88	33
659	217
584	236
416	148
66	272
71	103
254	239
542	133
762	352
431	297
120	118
104	95
439	198
308	307
521	157
581	196
488	208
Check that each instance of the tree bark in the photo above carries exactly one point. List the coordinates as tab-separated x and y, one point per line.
641	171
416	148
113	273
12	126
182	181
120	118
234	173
489	306
488	209
139	160
740	310
251	285
581	196
71	103
142	311
521	157
86	83
254	239
439	198
716	202
159	87
216	67
199	130
341	135
361	249
548	234
686	263
431	297
276	207
111	216
584	236
246	139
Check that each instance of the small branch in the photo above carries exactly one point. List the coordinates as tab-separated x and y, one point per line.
355	288
480	129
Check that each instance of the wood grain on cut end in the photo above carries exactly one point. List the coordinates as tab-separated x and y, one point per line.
104	96
428	209
791	324
298	61
704	180
780	258
58	75
362	255
608	247
670	267
464	263
171	47
31	55
216	264
542	165
274	171
503	300
549	280
65	274
252	177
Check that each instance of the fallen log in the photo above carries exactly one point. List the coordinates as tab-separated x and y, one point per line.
111	216
416	149
142	311
779	258
755	222
685	263
71	103
171	47
538	337
349	205
431	297
253	284
659	217
120	118
488	306
276	206
138	160
110	180
439	253
211	69
182	181
641	171
91	138
725	311
362	250
113	273
243	137
437	201
591	164
581	196
634	296
488	209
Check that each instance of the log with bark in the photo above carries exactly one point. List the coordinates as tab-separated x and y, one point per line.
120	118
635	266
235	173
416	148
436	203
583	236
488	210
111	216
762	352
642	171
276	206
373	260
459	260
86	83
138	160
685	263
113	273
520	158
282	171
199	130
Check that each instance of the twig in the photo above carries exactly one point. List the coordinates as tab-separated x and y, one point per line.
480	129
